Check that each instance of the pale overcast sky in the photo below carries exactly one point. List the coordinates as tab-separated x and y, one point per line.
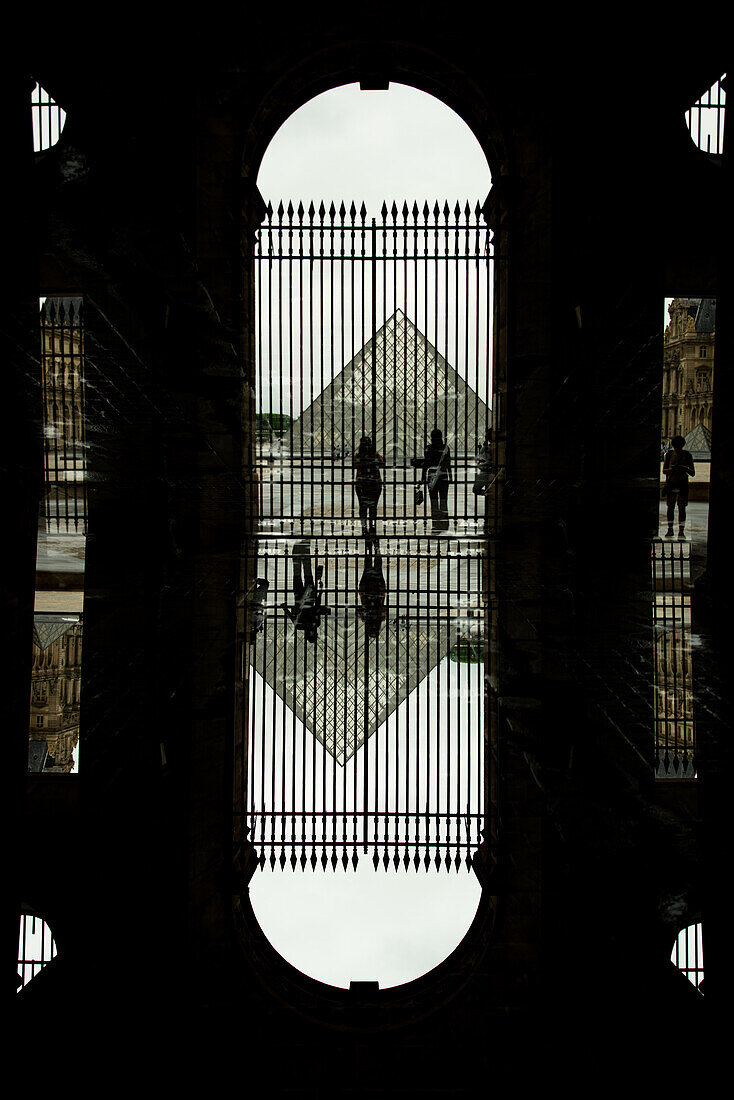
369	147
399	145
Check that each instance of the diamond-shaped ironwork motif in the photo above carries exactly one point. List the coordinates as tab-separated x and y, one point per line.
346	685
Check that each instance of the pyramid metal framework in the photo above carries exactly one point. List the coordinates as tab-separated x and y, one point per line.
48	628
344	686
698	442
417	390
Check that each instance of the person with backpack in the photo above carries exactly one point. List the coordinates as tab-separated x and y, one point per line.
307	611
436	475
677	467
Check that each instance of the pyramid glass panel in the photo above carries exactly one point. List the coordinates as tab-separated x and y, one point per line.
366	659
410	374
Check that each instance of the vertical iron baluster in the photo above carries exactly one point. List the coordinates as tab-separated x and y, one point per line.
273	779
271	256
342	360
258	366
431	549
314	463
370	350
46	420
291	293
668	643
436	281
71	426
414	790
64	332
355	757
330	411
455	402
55	419
272	413
479	436
82	416
404	393
390	369
336	725
468	435
452	600
24	946
306	398
414	441
373	377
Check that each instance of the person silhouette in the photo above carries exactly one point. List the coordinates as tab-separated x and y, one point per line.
368	483
436	474
308	592
256	596
372	591
677	467
481	481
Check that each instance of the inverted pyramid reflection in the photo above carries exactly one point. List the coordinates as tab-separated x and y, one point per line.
347	682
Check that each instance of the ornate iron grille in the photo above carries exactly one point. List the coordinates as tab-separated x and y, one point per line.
367	606
370	328
62	363
674	725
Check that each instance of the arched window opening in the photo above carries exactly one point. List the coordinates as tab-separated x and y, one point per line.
367	606
689	328
36	947
56	656
687	954
705	118
48	119
388	927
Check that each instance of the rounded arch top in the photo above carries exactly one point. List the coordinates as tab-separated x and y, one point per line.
420	69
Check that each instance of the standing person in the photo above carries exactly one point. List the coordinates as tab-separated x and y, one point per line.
436	473
368	483
256	596
481	481
307	610
372	592
677	467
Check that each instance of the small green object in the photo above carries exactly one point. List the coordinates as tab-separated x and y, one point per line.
467	651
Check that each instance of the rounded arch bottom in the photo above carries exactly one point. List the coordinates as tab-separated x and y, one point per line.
384	926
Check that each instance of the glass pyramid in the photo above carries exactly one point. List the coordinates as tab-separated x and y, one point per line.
48	628
346	684
415	390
